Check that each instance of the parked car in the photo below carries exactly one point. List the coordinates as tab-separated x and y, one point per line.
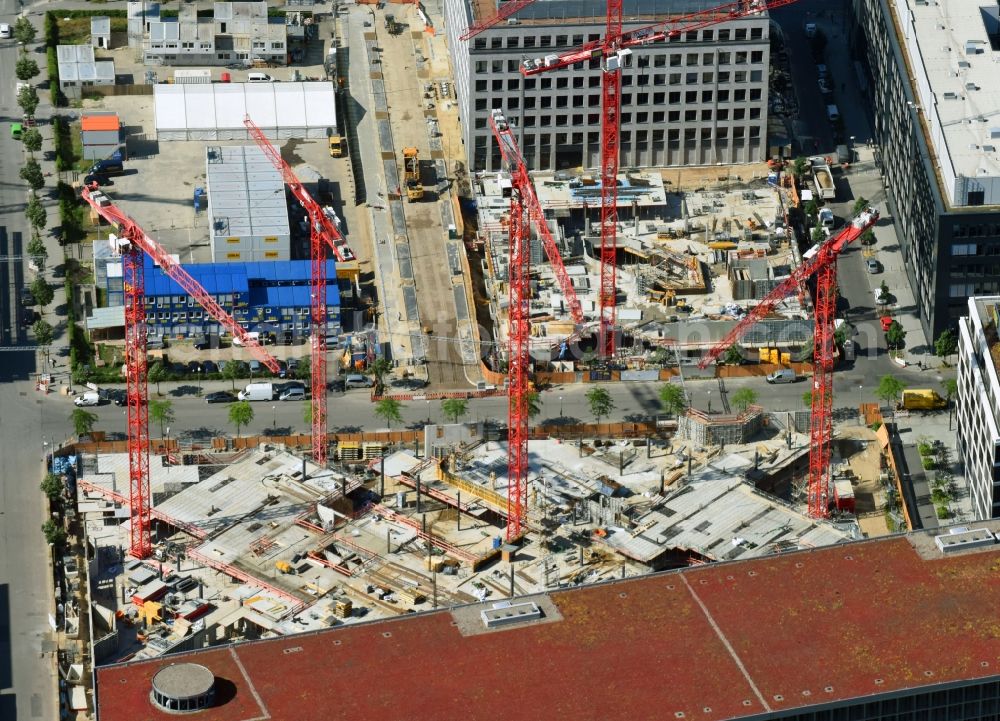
873	266
178	368
4	31
356	380
220	397
282	369
90	398
209	367
27	317
27	299
293	394
194	367
336	386
254	366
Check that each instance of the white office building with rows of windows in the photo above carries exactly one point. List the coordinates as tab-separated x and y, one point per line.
698	99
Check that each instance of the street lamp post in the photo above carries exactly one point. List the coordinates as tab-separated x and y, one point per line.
274	418
560	406
861	413
709	402
167	454
428	412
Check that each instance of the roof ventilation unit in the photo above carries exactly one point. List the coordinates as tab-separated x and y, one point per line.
182	687
951	96
504	613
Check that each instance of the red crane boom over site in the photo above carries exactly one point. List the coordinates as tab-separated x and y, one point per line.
132	243
322	234
822	264
511	154
612	51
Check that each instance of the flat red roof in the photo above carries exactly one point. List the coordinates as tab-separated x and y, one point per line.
713	642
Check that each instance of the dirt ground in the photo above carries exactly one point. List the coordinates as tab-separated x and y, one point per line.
866	466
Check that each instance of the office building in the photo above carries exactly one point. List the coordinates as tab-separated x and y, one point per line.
977	406
269	297
931	74
237	32
699	99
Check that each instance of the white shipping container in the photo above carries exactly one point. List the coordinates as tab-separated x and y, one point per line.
188	76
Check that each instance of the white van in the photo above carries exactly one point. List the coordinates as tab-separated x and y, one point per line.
832	113
259	78
90	398
254	335
785	375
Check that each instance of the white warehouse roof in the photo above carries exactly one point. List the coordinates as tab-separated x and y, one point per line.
216	111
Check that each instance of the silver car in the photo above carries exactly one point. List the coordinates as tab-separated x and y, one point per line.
873	266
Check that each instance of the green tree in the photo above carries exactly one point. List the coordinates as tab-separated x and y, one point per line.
744	398
600	402
800	166
37	249
54	533
534	404
859	205
41	291
812	210
868	237
162	412
840	335
157	373
26	68
31	174
231	371
946	344
895	337
817	235
24	31
389	410
950	387
733	356
454	408
307	414
672	399
36	214
240	415
52	486
889	388
27	98
378	370
807	399
42	331
83	421
32	140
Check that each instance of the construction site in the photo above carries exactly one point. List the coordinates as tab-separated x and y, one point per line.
264	543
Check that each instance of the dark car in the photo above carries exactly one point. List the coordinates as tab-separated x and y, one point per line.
209	367
27	317
178	368
337	386
282	369
98	179
220	397
120	398
194	367
27	299
286	337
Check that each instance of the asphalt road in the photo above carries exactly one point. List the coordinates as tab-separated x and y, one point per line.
27	681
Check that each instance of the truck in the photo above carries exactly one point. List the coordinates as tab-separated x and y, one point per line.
922	399
823	178
411	174
336	146
257	392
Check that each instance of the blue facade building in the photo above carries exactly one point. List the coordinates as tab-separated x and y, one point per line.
266	296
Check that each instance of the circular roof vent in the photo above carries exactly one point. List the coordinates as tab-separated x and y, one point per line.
183	688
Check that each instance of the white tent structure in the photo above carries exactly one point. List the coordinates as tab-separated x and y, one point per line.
216	111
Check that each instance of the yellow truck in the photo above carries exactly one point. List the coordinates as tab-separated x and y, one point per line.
336	146
922	399
411	174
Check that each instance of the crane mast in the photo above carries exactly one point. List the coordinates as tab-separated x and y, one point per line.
132	244
822	265
322	234
511	154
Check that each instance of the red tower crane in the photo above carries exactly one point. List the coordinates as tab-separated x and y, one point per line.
131	244
823	265
322	234
612	51
519	315
520	179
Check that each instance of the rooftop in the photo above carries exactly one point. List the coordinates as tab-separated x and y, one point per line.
246	192
951	52
843	630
